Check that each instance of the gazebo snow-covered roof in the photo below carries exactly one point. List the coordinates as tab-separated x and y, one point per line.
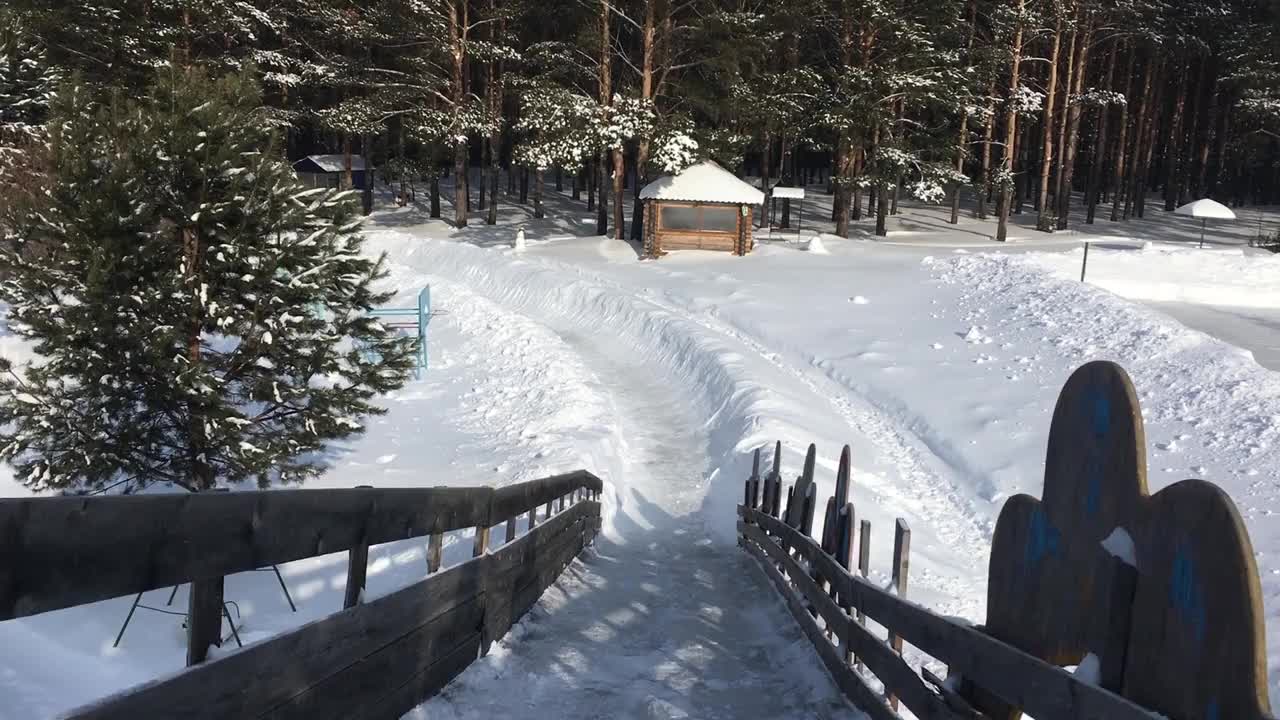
705	182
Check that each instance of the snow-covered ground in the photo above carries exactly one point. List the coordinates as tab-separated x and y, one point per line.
936	355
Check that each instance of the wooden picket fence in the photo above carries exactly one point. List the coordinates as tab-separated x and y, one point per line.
1179	636
374	659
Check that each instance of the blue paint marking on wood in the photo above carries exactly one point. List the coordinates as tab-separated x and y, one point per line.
1185	593
1042	539
1098	411
1093	471
1100	408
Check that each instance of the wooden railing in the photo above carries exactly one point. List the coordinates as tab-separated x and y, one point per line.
375	659
1161	590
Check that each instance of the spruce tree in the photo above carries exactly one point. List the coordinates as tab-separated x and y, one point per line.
198	316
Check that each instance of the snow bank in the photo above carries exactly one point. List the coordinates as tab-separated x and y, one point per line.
1174	273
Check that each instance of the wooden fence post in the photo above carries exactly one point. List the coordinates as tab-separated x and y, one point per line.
435	550
901	549
511	529
204	615
844	554
357	567
864	563
482	541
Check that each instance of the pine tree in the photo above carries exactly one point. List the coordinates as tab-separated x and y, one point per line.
198	315
27	83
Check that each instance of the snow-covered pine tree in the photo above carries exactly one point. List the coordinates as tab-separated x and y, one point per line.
27	82
198	316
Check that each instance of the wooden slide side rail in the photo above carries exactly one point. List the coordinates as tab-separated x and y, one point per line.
375	660
66	551
1043	691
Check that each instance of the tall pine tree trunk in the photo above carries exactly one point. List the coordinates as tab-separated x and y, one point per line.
457	41
1117	179
619	175
1143	171
1099	155
1011	129
1045	221
538	179
962	137
606	98
988	136
1067	168
494	91
1064	113
1173	143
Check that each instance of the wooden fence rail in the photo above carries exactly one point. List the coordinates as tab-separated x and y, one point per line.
375	659
1174	621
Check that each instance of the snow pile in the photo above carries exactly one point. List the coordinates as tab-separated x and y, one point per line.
817	247
1175	273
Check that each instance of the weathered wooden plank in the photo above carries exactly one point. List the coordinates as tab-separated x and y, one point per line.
435	552
70	551
1045	691
347	692
849	682
66	551
887	664
271	672
517	499
901	560
426	684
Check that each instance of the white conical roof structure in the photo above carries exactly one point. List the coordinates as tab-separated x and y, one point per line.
1206	209
705	182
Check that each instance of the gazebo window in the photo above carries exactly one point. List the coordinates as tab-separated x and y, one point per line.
699	218
720	219
679	217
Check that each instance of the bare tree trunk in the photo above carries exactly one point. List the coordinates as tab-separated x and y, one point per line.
1143	171
591	173
766	161
538	180
619	174
1011	130
1210	135
1140	130
1099	156
988	135
1067	168
1117	184
1045	222
602	194
1064	114
435	194
962	138
457	41
606	98
1173	143
494	91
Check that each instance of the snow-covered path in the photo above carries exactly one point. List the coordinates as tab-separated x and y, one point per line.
661	621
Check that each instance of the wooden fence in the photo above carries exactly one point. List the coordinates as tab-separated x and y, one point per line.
1161	590
374	659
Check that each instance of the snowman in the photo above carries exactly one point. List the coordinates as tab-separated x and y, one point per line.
519	243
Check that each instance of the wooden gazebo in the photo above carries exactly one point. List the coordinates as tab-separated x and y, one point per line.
704	207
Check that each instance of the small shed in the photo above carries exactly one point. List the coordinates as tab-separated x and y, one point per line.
704	207
326	171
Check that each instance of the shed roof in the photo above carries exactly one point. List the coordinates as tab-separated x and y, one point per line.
704	182
330	163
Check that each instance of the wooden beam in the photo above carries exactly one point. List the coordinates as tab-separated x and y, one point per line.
1044	691
849	682
204	619
887	664
67	551
901	552
435	552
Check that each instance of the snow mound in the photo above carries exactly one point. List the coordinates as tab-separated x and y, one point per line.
817	247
